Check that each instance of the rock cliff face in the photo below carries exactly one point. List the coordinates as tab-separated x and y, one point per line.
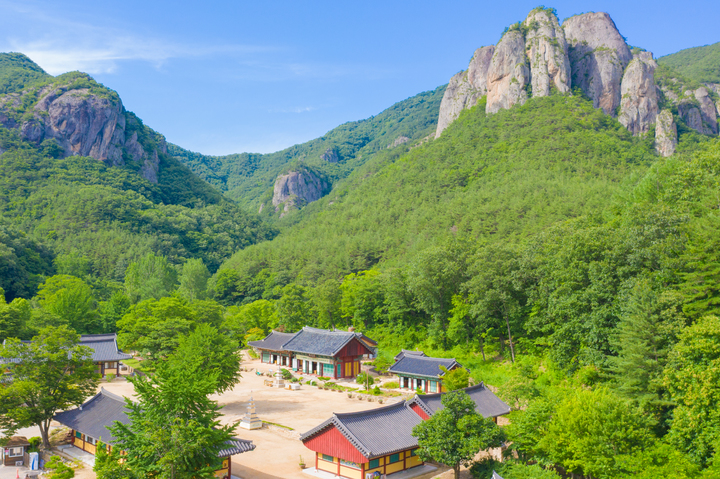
330	156
639	104
85	124
297	188
508	74
665	134
598	55
691	115
548	53
465	88
707	110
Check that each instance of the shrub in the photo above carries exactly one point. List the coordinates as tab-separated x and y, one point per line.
253	354
34	443
59	469
391	385
287	375
365	379
377	391
110	377
323	378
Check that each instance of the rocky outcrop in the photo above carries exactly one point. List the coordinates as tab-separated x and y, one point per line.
665	134
330	156
508	74
639	104
297	188
84	123
547	51
465	88
400	140
690	112
598	56
707	110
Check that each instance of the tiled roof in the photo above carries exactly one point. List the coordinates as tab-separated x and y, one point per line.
486	402
404	352
104	347
273	341
416	365
376	432
236	446
318	341
102	410
95	415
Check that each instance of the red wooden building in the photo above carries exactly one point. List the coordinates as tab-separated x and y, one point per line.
352	445
321	352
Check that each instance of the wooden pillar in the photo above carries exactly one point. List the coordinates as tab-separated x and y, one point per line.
362	470
338	465
316	460
229	467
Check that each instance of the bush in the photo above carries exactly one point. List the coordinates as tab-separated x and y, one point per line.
109	377
59	469
287	375
377	391
365	379
35	443
391	385
323	378
253	354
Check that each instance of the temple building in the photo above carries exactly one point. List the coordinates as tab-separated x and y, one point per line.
380	440
89	424
415	370
105	353
321	352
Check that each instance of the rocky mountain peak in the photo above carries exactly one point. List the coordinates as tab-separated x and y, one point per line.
508	74
295	189
84	121
547	51
598	55
639	104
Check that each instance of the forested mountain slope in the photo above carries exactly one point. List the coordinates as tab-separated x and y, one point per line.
493	178
87	179
248	178
701	64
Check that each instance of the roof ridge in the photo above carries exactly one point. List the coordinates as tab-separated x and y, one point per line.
114	396
366	411
415	356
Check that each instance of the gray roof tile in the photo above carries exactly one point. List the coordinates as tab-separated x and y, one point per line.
273	341
318	341
376	432
104	347
405	352
487	403
102	410
416	365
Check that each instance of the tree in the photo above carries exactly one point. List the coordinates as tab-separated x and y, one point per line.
13	317
52	373
153	327
589	430
692	377
59	469
194	279
648	328
206	352
174	430
149	277
454	379
260	314
454	434
112	310
69	300
293	307
109	465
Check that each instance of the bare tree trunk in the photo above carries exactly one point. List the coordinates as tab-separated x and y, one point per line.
456	468
512	350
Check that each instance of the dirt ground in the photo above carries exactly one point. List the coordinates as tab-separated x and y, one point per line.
278	450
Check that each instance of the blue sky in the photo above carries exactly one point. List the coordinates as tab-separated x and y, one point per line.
223	77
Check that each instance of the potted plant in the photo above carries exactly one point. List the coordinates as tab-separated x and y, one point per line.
302	463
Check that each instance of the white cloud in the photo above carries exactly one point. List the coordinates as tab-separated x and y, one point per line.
66	44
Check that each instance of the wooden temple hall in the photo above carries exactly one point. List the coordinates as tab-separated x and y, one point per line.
89	424
415	370
380	440
330	353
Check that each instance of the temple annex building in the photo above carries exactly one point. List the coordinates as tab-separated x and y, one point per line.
380	440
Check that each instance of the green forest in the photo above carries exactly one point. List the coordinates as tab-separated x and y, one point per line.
544	247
